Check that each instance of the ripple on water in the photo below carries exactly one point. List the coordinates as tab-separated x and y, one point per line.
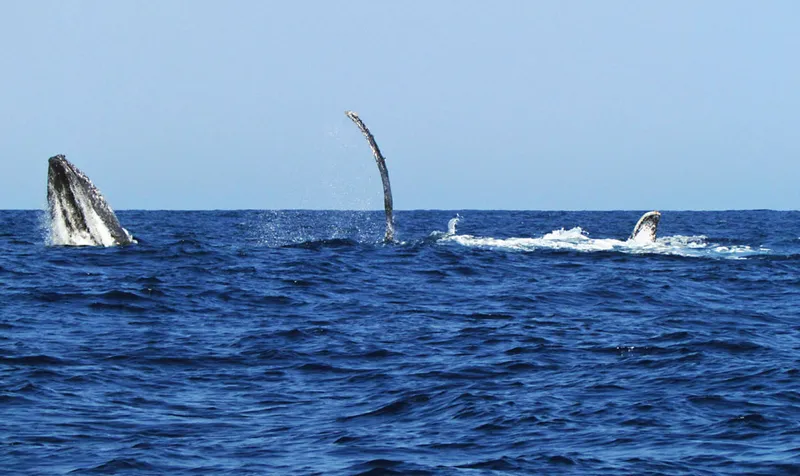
216	346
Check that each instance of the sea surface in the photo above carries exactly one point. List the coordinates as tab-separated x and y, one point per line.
296	342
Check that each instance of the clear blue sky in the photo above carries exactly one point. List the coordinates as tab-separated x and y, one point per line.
476	104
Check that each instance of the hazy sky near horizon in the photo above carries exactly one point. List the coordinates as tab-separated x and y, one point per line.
476	105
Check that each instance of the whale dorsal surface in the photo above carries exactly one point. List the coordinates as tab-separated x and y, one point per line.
646	228
79	214
381	161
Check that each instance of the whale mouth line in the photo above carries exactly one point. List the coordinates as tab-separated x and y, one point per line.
79	214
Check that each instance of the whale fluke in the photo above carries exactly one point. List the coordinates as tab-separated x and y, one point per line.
79	214
381	161
646	228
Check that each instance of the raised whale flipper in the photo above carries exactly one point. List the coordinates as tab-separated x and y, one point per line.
79	214
646	228
381	161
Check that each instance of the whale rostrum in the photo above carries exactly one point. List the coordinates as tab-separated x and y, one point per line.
646	228
381	161
79	214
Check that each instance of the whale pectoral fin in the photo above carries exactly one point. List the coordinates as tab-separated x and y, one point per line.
646	228
381	161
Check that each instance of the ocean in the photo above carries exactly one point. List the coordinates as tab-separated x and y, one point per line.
296	342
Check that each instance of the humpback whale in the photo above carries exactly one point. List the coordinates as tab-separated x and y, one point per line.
79	215
381	161
646	228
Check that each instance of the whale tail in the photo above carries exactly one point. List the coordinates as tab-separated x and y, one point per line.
646	228
79	214
381	161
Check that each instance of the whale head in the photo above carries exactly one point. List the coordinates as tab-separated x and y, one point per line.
646	228
79	214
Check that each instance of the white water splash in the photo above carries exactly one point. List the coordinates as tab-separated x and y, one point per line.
278	228
575	239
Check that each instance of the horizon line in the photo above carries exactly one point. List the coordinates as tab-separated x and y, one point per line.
427	210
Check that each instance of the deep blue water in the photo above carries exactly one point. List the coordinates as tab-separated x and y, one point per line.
257	342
